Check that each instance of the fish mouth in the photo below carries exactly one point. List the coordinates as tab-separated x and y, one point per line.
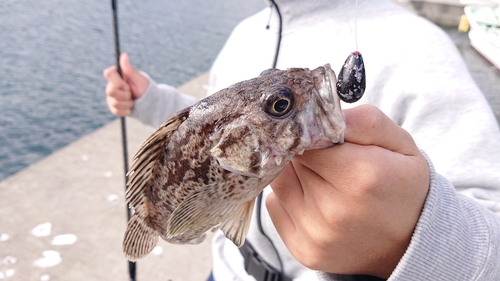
327	89
329	111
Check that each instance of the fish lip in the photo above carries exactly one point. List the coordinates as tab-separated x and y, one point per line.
333	123
332	81
326	85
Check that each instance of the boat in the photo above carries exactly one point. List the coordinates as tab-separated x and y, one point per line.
484	31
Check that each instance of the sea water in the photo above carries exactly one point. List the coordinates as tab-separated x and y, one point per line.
53	52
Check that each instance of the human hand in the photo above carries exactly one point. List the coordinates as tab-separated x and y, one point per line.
352	208
120	94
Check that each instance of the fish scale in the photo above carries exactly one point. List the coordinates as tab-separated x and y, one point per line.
203	168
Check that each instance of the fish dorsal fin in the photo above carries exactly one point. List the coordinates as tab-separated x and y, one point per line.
146	158
207	208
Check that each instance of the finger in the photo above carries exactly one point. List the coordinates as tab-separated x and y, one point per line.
137	81
309	177
287	186
120	113
119	108
340	168
114	78
119	104
116	93
368	125
126	66
280	217
130	73
327	175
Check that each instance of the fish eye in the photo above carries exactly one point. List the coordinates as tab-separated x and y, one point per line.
280	102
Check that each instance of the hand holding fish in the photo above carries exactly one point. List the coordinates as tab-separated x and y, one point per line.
352	208
120	94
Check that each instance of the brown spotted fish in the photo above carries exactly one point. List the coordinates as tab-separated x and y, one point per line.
203	168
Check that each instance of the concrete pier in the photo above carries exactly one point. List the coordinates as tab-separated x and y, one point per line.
79	190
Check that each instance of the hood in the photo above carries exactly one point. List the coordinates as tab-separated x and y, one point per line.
299	13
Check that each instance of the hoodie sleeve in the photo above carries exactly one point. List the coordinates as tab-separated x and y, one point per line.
455	239
159	103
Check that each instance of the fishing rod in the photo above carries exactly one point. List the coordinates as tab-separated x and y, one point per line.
131	265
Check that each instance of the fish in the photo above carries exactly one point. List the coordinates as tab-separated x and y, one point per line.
203	168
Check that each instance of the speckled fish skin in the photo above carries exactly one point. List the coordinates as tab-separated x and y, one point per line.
203	168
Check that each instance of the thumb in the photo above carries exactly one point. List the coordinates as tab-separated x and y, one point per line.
368	125
137	81
128	70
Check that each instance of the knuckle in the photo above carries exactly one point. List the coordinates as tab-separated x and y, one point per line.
112	93
110	90
366	119
113	110
373	116
367	183
312	247
310	258
114	105
108	72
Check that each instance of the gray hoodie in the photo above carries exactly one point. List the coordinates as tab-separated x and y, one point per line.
416	76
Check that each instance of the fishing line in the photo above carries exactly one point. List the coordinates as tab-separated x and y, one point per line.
351	81
356	24
131	265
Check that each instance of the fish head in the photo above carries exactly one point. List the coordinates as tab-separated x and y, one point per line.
277	115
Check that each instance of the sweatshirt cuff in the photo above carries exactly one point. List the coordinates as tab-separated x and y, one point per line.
142	104
159	102
455	238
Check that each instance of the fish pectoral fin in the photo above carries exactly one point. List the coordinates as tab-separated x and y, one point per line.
236	226
139	239
200	210
206	208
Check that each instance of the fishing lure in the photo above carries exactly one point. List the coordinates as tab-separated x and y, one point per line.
351	82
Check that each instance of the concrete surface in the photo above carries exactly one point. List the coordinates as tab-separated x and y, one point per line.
79	190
